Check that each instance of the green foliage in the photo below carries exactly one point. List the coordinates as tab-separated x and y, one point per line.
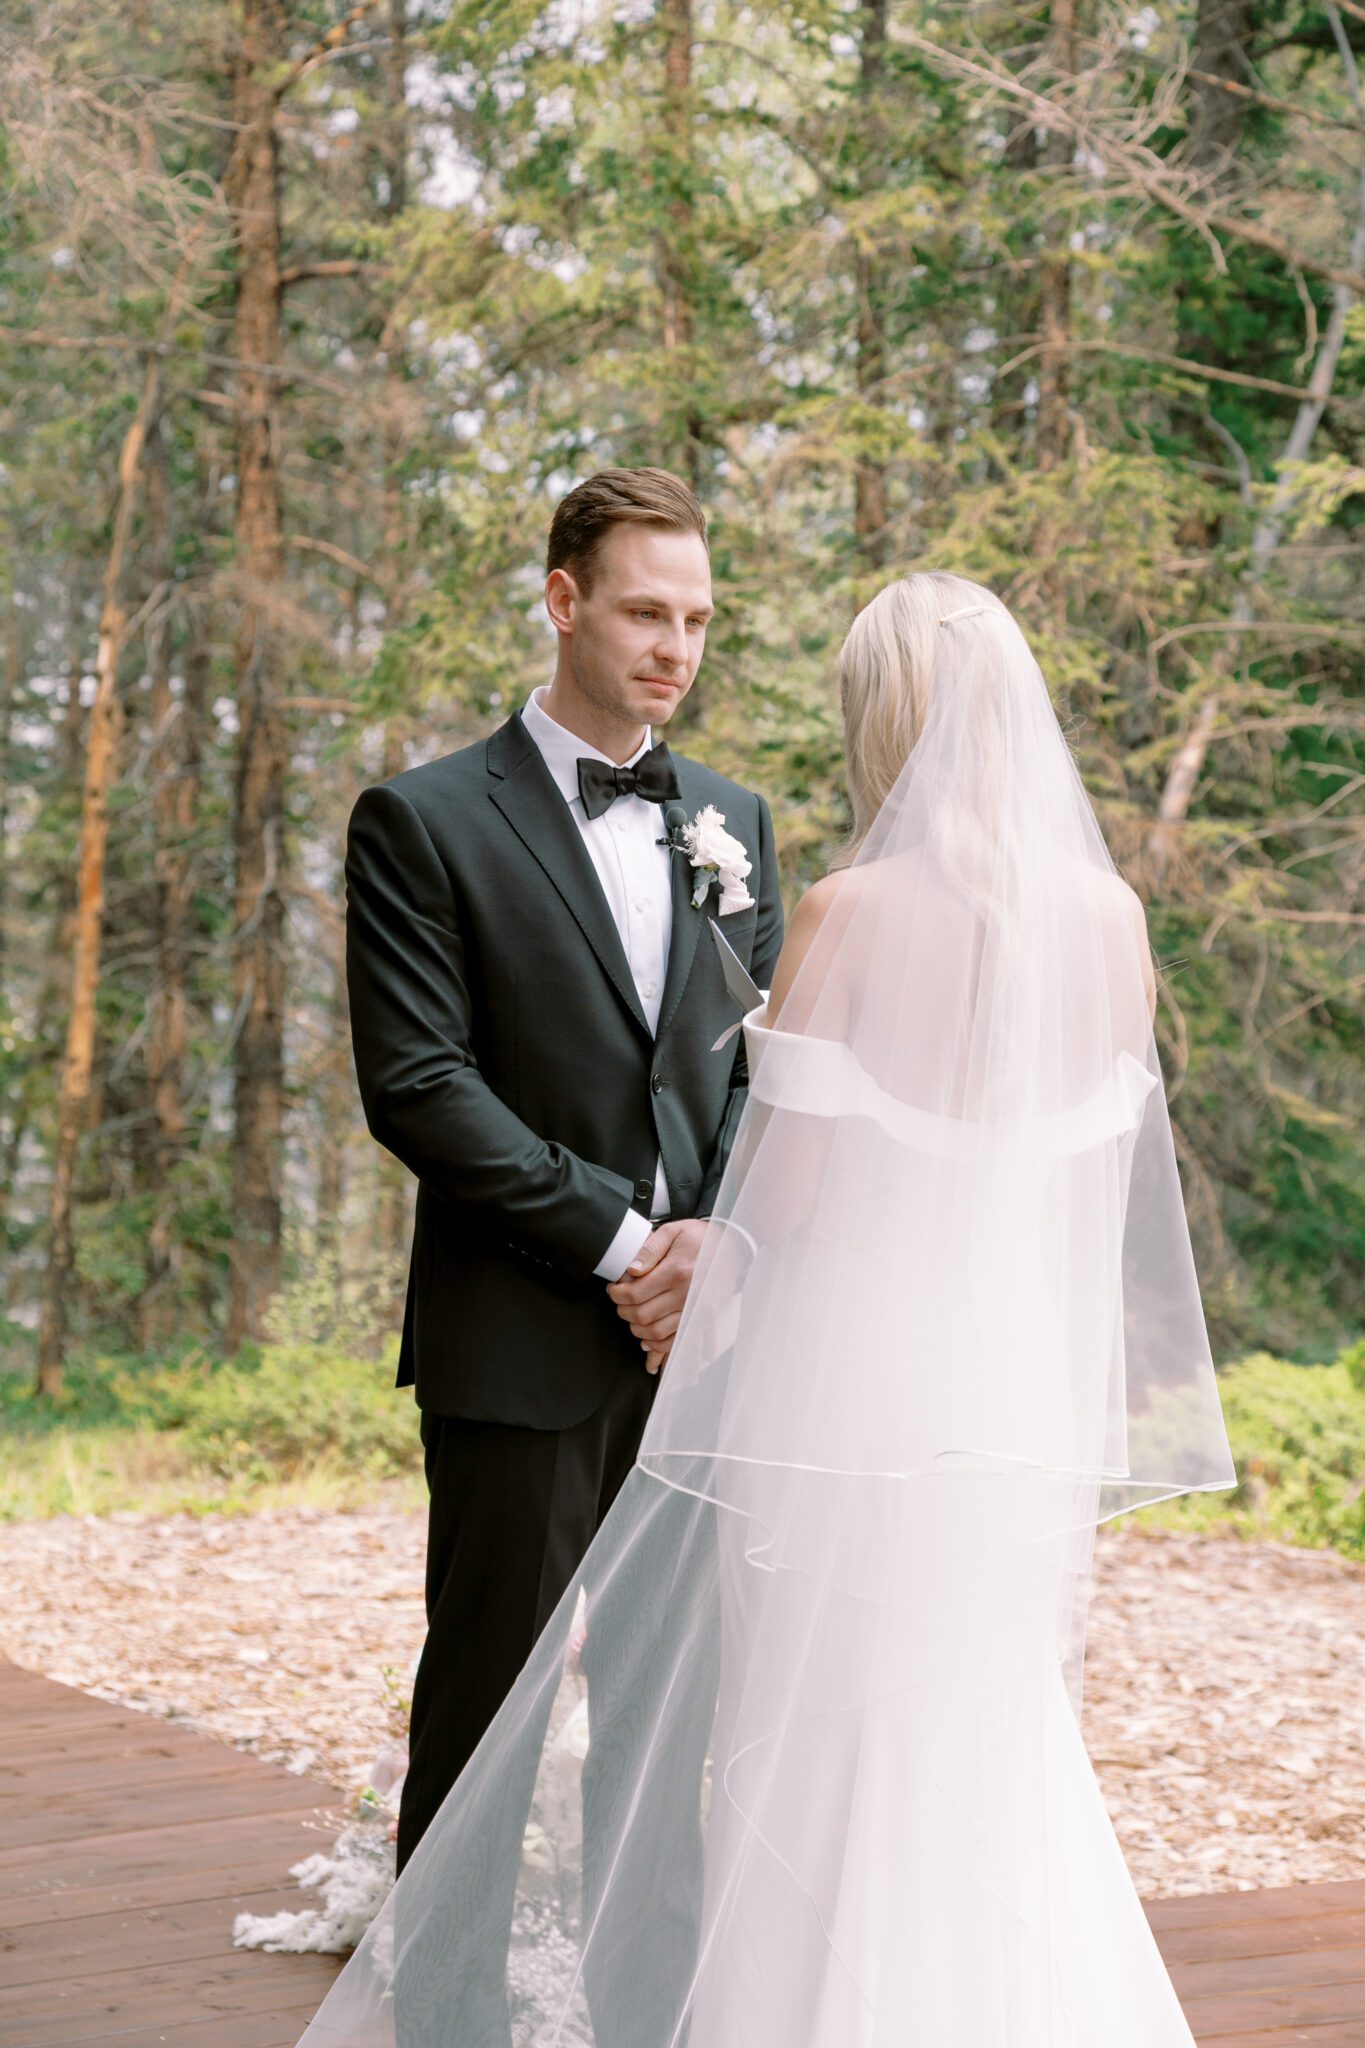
285	1422
287	1406
1298	1438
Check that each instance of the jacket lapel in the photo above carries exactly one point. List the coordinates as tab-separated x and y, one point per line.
687	922
524	791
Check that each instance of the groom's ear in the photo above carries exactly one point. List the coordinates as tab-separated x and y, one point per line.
561	595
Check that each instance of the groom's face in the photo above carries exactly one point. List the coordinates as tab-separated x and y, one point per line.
637	636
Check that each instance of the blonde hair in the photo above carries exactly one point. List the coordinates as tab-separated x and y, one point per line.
885	666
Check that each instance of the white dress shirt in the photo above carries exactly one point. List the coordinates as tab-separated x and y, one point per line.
633	868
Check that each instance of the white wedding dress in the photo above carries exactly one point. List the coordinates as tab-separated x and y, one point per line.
815	1778
908	1843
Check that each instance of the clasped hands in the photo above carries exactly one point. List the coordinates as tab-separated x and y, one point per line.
650	1294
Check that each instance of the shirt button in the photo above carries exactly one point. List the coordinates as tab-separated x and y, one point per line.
641	904
622	825
650	987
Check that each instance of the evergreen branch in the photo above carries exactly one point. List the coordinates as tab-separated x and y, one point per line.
1279	827
1147	172
1310	1002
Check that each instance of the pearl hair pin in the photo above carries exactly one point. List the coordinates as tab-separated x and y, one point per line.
967	611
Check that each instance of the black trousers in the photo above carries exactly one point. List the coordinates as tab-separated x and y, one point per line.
513	1511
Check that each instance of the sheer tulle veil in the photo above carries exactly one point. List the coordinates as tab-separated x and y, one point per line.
794	1763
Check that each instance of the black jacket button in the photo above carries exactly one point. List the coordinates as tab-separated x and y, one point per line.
656	1082
643	1190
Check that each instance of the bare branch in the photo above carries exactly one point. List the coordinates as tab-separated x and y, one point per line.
1169	362
124	344
334	553
1267	100
341	266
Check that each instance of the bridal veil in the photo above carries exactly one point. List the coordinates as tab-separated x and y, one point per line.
795	1763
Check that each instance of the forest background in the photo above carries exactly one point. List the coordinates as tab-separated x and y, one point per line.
309	315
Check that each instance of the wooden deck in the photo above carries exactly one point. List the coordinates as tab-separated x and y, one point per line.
1269	1969
127	1845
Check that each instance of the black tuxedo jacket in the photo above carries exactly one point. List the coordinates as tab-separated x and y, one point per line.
503	1056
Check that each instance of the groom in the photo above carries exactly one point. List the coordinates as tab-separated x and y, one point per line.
534	1001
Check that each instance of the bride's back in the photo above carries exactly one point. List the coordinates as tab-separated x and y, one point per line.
923	981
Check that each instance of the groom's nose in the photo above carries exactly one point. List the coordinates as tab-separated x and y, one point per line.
671	646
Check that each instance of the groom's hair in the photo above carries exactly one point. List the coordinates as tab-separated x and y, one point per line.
617	497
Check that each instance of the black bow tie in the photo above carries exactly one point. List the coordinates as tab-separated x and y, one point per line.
653	777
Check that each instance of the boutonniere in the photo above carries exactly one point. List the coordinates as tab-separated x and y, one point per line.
717	856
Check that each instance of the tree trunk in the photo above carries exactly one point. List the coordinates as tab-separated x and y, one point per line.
395	142
11	679
337	1098
871	524
1222	36
678	261
393	564
259	814
394	1194
60	894
1054	284
1217	118
73	1090
175	795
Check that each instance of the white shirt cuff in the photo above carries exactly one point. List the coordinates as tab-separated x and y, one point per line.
635	1228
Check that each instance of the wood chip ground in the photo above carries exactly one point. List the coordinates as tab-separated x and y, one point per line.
1225	1689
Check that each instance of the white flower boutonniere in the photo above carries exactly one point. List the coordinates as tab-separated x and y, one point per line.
717	856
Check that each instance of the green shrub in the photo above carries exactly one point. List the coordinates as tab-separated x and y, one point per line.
297	1403
196	1432
1298	1438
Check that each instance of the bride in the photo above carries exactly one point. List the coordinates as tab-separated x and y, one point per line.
797	1763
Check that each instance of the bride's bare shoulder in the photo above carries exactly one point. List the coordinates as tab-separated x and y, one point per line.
846	887
1119	904
807	921
821	896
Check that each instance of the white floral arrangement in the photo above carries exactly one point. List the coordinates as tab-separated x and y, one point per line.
717	856
354	1878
